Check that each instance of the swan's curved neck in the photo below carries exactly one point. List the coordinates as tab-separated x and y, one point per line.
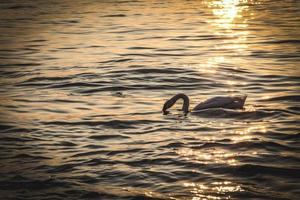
173	100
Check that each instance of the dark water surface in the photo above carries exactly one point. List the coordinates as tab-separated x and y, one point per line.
83	84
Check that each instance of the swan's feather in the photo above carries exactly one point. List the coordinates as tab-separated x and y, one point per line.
222	102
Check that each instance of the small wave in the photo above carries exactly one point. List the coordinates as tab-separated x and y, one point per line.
135	150
116	124
177	129
282	42
57	78
291	137
76	84
16	139
173	145
29	64
29	156
269	54
99	161
89	153
115	15
116	60
276	78
293	98
133	87
62	168
232	69
162	54
15	129
4	127
198	38
48	101
140	48
34	184
108	137
259	170
18	7
148	70
94	146
66	144
155	161
266	145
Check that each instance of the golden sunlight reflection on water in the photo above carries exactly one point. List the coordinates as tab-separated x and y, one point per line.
230	22
221	156
209	156
204	191
230	18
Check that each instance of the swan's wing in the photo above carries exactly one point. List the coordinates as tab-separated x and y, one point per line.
215	102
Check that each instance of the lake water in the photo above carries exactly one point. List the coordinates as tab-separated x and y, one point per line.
83	84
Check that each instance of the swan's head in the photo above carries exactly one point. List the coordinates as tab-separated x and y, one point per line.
169	103
166	106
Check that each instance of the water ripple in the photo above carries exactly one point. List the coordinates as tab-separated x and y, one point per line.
82	93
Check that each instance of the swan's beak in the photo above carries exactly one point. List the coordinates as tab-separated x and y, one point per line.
165	112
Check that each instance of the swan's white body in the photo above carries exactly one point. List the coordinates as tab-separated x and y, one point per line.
229	102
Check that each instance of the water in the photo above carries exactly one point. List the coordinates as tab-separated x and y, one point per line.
83	84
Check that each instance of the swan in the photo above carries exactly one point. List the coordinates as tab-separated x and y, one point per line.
229	102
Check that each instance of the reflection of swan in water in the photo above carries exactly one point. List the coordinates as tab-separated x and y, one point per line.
229	102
